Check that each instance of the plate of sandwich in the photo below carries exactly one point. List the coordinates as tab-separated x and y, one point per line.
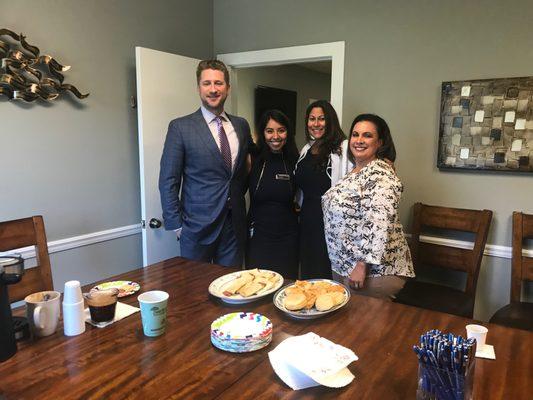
311	298
245	286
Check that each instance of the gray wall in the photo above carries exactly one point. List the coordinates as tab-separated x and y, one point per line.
305	82
76	162
397	55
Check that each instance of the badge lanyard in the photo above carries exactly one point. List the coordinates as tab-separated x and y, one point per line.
263	170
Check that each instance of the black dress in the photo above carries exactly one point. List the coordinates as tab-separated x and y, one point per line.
273	223
313	181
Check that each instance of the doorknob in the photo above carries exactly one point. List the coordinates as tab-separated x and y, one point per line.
154	223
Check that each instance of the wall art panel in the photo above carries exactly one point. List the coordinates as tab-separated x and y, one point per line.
487	124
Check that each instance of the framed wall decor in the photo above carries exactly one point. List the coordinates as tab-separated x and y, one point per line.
487	124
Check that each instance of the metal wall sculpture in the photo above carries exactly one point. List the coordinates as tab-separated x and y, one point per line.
487	124
27	75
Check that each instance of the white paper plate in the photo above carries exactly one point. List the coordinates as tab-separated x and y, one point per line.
313	312
241	332
217	287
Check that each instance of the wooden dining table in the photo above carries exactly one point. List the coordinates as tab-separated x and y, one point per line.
119	362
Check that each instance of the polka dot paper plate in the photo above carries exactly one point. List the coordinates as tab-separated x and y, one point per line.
241	332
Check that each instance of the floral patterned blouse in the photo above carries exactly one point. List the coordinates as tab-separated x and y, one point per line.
361	223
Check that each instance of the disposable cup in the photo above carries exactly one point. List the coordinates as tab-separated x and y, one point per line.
153	312
73	319
478	332
72	293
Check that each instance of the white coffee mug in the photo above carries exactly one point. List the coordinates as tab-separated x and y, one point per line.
42	311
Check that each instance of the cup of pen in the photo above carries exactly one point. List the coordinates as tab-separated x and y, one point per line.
445	367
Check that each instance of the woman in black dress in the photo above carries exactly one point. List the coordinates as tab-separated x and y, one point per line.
321	164
273	223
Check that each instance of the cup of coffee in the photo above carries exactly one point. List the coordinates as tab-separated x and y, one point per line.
102	304
42	311
153	312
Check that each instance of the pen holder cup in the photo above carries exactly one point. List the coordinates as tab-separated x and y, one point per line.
442	384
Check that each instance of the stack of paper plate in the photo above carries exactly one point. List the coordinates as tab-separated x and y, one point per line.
241	332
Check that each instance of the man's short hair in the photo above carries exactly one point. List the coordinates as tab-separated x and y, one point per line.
212	64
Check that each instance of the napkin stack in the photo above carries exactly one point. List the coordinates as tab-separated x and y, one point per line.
486	351
310	360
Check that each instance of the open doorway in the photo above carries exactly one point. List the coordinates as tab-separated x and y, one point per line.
289	88
323	62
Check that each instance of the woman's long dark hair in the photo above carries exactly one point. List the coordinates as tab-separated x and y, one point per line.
387	149
290	151
333	134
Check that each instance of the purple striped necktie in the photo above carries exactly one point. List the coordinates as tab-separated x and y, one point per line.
224	143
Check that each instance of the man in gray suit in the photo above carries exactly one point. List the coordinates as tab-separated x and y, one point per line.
205	156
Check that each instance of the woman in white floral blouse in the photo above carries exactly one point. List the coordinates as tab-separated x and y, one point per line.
365	240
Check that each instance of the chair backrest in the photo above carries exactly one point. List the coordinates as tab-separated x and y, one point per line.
522	266
442	256
22	233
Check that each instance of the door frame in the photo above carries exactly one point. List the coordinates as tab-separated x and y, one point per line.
332	51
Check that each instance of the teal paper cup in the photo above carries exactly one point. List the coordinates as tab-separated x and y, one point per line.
153	312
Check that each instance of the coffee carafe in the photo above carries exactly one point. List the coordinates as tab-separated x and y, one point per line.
11	271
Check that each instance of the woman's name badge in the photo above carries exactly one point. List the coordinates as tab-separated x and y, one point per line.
283	177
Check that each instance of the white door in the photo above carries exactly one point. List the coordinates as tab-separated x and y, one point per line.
166	89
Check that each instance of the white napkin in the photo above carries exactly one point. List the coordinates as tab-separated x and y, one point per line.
123	310
486	351
309	360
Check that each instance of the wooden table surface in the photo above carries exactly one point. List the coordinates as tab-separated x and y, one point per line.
120	362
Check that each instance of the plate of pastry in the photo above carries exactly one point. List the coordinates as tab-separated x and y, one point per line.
311	298
125	288
245	286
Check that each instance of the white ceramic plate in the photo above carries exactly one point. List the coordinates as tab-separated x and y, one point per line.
313	312
217	287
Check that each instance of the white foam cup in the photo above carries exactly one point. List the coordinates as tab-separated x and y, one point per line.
478	332
72	293
73	306
73	319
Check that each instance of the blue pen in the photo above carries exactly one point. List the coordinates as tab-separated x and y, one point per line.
440	386
444	362
425	383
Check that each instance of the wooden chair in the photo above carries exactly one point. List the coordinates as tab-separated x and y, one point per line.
518	314
428	255
28	232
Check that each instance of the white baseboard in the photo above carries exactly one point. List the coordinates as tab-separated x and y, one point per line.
73	242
